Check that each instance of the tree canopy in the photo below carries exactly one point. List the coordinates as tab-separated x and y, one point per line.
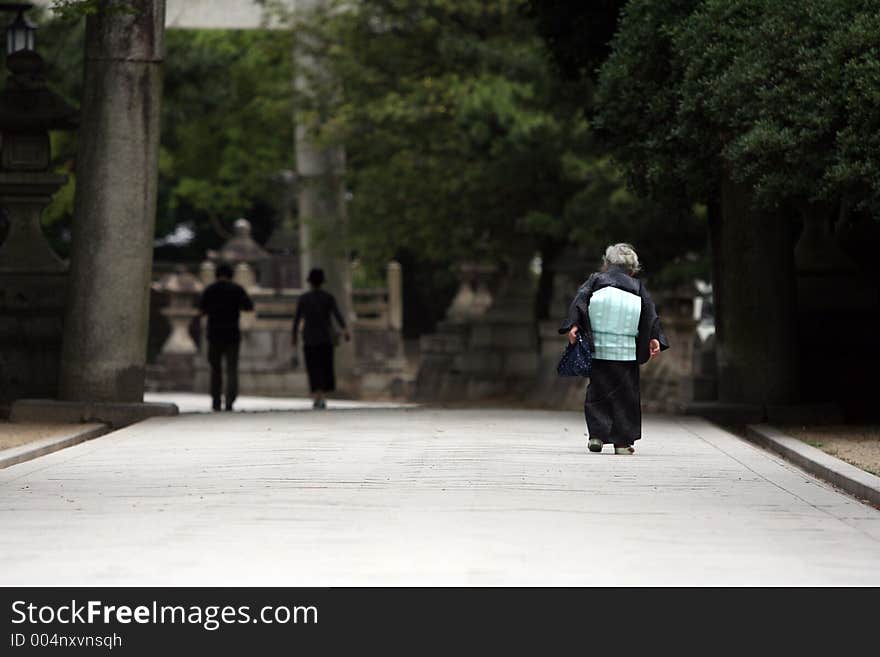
461	138
781	95
443	110
227	129
466	137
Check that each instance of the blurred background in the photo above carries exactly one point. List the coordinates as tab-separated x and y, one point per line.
478	157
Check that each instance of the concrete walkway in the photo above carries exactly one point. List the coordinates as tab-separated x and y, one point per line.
424	497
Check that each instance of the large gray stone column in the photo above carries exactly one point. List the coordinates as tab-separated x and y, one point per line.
105	333
321	208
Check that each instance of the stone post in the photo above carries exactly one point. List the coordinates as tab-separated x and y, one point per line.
395	296
245	276
207	272
105	335
321	207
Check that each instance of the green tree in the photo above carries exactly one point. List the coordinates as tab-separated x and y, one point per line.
750	106
226	131
772	89
442	108
462	139
226	128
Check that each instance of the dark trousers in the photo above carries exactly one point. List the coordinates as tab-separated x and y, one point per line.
218	351
319	365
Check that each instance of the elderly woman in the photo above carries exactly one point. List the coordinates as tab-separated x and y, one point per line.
615	314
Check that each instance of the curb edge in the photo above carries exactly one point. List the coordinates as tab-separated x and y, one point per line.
862	485
30	451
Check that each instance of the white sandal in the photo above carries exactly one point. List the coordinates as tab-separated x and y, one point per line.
628	449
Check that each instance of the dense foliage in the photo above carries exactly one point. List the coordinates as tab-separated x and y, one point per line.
780	95
226	131
443	111
462	139
465	136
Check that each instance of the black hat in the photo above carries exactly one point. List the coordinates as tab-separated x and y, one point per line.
224	271
316	276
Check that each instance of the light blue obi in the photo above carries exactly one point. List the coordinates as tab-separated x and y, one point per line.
614	317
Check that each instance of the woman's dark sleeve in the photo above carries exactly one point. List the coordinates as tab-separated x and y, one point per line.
578	311
649	328
575	312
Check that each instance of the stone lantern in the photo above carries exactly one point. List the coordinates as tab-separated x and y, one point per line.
28	111
243	253
182	289
33	278
474	297
176	361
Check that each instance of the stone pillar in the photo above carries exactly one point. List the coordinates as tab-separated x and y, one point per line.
207	272
245	276
321	206
105	335
395	296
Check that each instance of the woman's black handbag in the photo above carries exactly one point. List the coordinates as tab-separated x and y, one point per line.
576	359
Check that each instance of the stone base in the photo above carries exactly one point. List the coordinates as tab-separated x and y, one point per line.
480	359
31	327
117	415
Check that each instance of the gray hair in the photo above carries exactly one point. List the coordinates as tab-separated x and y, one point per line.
622	255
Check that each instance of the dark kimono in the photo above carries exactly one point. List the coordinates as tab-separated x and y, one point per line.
612	406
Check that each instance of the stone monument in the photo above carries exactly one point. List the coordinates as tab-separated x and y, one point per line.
33	279
175	366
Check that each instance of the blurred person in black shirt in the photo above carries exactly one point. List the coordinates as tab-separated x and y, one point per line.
315	308
222	302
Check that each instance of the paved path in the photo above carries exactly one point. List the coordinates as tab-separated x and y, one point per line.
424	497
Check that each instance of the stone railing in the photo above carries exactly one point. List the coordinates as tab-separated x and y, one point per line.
380	307
378	337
